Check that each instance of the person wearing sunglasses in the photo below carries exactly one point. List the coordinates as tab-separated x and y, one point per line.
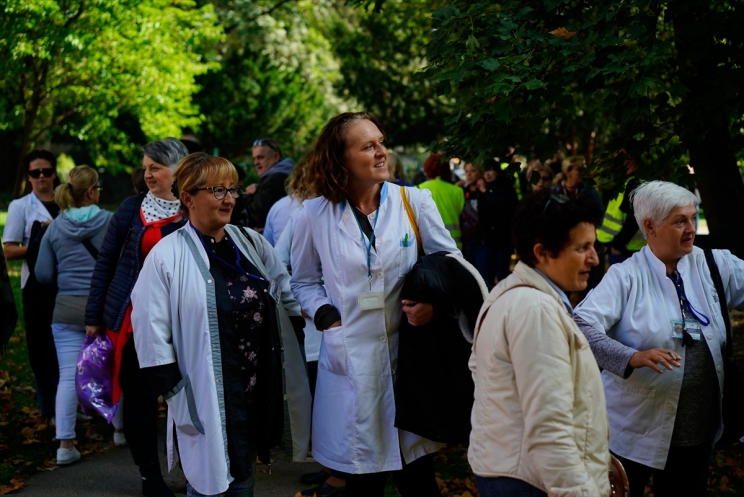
68	255
219	334
539	418
273	170
28	219
139	224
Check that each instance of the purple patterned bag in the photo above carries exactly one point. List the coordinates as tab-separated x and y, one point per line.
93	376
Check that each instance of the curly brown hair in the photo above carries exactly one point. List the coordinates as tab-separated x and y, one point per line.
326	173
297	184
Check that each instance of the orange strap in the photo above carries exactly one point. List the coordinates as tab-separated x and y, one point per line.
412	220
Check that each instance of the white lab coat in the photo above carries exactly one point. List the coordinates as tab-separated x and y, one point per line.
283	248
22	213
634	304
354	412
174	316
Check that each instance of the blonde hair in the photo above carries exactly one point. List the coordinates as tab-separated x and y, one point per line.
79	181
395	167
297	184
572	162
196	169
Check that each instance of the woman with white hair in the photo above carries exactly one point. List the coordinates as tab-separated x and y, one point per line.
655	326
137	226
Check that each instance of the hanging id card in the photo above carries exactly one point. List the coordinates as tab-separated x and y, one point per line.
371	300
274	291
693	329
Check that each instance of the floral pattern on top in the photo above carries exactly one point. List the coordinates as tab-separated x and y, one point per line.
249	315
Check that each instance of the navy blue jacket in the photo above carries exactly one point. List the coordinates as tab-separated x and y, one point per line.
118	266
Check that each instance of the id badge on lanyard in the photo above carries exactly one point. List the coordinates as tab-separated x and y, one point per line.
369	301
693	328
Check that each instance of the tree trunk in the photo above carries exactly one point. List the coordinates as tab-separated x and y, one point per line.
705	125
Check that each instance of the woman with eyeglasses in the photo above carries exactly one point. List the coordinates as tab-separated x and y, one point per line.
28	218
137	226
539	418
219	334
69	251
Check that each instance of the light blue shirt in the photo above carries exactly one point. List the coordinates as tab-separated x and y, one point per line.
561	293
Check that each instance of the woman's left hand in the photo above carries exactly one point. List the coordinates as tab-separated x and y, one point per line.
418	313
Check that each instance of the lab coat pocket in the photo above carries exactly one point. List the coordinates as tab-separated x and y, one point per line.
332	355
182	406
630	409
408	255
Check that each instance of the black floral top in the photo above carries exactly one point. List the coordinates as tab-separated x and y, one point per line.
243	317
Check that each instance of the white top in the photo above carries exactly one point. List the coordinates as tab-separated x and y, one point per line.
354	410
635	304
22	213
278	217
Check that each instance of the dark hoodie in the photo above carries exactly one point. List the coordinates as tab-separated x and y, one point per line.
62	251
253	209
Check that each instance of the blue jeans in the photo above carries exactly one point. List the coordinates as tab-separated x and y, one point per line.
506	487
68	339
236	489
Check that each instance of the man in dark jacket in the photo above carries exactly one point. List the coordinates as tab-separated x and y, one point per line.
253	207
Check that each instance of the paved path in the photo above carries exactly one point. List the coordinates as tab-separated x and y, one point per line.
113	474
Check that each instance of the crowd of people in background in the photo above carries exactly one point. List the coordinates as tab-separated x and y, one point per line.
322	306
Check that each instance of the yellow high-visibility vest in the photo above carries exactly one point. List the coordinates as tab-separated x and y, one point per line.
613	222
450	200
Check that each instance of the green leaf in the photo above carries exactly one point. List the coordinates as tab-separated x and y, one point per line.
534	84
490	64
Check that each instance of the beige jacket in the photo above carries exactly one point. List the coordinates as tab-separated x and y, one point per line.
539	413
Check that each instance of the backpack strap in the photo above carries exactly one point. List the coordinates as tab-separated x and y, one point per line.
718	283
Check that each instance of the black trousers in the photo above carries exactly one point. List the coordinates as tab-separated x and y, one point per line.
38	308
414	480
685	473
140	410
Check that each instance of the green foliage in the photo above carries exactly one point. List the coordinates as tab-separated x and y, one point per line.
525	73
75	67
381	54
276	78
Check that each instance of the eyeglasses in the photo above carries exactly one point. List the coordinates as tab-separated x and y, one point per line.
46	171
98	187
220	191
268	143
558	197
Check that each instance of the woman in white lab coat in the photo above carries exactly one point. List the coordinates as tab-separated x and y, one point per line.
357	239
219	333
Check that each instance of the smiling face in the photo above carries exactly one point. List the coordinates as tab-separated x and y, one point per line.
208	214
44	184
365	156
570	270
159	179
672	238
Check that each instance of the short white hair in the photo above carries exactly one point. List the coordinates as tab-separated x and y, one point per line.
655	200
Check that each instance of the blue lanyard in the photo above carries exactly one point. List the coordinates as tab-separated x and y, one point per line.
371	242
237	267
684	304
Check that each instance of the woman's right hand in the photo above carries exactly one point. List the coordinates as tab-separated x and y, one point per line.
334	325
94	330
652	358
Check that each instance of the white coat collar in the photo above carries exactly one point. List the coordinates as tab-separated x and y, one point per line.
38	205
348	223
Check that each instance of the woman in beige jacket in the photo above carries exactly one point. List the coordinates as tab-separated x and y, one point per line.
539	418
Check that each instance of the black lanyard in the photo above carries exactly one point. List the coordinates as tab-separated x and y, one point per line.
237	267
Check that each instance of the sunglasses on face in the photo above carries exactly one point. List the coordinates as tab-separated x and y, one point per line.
46	171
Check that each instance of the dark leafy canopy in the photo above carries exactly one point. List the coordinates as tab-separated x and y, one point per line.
381	53
657	81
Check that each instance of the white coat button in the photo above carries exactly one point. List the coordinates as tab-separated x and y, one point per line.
209	281
380	240
380	274
719	368
392	371
383	339
710	336
372	216
285	396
